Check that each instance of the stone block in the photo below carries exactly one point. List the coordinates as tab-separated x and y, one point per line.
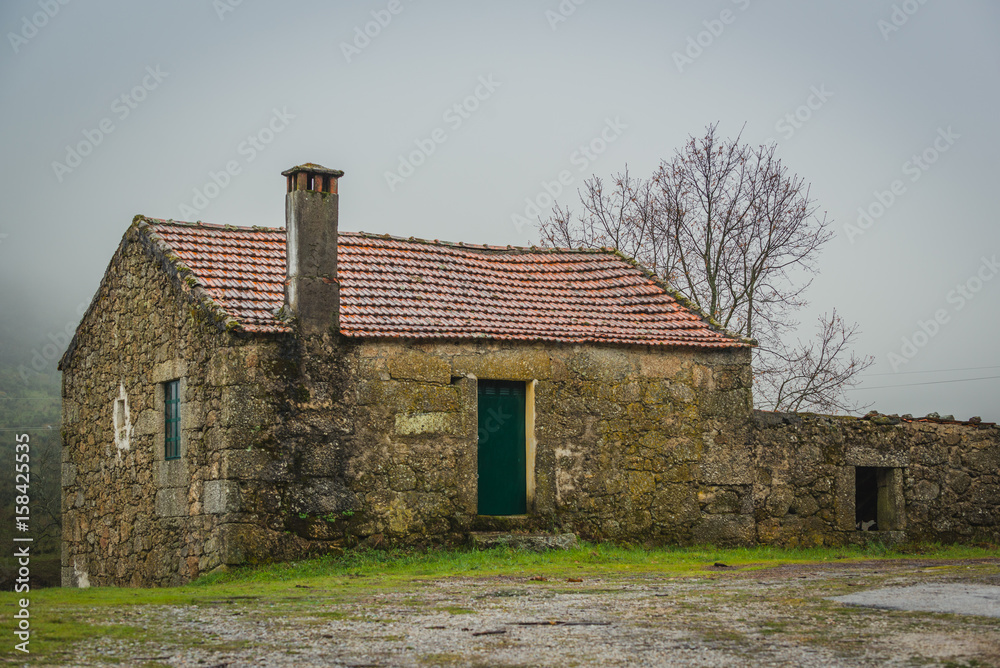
719	501
666	365
418	365
319	496
805	505
729	529
373	368
863	455
985	460
70	412
322	460
985	494
252	465
843	498
242	407
402	478
981	517
527	542
674	506
413	424
172	502
148	423
925	490
779	501
959	481
169	370
726	464
519	364
218	368
171	473
232	542
603	364
191	416
639	484
68	475
220	496
732	377
373	392
423	398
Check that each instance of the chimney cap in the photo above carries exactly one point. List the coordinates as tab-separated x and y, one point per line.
313	168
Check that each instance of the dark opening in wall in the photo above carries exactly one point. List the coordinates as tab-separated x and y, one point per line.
878	498
866	498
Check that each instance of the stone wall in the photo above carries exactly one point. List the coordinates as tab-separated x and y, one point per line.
292	446
942	478
129	516
375	443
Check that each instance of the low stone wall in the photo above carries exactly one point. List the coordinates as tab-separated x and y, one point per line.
941	479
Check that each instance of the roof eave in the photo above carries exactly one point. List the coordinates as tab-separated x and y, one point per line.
187	281
685	302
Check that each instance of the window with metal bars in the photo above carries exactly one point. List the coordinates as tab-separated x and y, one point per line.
172	420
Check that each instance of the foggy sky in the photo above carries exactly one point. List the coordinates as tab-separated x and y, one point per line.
887	108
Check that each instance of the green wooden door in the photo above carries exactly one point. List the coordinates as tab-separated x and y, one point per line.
502	474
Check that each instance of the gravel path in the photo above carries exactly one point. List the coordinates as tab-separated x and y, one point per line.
724	617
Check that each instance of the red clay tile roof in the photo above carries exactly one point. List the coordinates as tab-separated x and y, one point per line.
411	288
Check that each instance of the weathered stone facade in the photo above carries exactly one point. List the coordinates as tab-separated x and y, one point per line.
129	517
941	479
295	446
627	444
292	446
320	422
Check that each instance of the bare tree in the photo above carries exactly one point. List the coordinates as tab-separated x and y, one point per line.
732	230
813	375
625	217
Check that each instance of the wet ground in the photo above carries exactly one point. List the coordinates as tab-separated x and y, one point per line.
720	617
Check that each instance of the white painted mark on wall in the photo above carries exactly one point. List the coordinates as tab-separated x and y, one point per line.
81	576
121	422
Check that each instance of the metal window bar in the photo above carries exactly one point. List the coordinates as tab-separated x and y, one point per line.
172	420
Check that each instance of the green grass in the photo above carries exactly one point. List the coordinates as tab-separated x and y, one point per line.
599	559
61	618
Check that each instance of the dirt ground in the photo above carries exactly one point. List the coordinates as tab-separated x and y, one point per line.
720	617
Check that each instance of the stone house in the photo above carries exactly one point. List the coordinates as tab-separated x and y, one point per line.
242	394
